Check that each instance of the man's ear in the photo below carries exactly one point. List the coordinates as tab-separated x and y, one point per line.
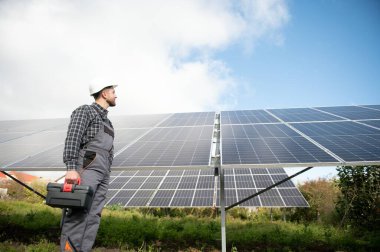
104	93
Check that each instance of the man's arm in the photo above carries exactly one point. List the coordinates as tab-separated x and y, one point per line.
77	128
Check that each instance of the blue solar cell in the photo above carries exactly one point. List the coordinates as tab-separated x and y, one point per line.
206	182
276	170
229	195
140	198
263	181
137	121
244	193
120	197
188	190
188	182
244	181
162	198
186	146
351	141
373	123
189	119
353	112
256	131
271	198
124	137
182	198
203	198
302	115
372	106
246	117
284	150
170	183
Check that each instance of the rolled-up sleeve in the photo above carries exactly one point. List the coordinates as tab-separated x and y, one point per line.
77	128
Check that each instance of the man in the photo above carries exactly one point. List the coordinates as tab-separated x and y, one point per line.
88	155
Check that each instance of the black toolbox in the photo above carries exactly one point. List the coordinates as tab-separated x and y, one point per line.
69	196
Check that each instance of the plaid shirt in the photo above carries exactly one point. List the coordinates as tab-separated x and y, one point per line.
85	123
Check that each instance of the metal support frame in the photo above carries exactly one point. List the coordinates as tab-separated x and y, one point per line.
222	210
23	184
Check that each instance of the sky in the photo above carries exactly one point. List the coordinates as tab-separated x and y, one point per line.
182	56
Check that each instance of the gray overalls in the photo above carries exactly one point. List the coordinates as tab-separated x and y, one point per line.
80	227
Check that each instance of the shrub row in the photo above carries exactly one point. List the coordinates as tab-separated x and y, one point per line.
27	223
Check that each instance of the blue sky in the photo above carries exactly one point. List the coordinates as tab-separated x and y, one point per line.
330	56
181	56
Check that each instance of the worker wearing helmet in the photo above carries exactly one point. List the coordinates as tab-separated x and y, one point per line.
88	155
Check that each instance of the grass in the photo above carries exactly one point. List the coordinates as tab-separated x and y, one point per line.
35	227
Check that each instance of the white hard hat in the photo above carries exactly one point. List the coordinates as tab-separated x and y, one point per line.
98	86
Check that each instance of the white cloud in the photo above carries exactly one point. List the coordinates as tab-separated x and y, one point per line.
160	52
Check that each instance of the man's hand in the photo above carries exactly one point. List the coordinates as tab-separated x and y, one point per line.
72	177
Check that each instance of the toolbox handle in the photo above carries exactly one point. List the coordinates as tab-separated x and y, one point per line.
69	187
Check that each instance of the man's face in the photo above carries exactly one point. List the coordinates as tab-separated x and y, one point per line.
110	96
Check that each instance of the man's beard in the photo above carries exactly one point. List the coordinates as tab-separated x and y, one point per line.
111	103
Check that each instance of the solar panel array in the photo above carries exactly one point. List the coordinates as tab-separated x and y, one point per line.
250	138
153	153
199	188
167	140
301	137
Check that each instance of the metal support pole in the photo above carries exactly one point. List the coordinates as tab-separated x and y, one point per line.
222	209
23	184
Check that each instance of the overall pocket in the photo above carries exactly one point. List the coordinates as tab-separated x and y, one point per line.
88	158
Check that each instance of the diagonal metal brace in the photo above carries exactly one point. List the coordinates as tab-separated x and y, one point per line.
23	184
268	188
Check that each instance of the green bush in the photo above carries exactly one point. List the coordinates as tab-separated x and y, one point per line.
142	230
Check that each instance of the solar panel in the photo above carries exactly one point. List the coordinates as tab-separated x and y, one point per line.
284	195
140	198
22	148
168	147
203	198
189	119
137	121
292	197
33	126
182	198
162	198
197	188
246	117
373	123
124	137
7	136
52	158
353	112
372	106
268	144
302	115
351	141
